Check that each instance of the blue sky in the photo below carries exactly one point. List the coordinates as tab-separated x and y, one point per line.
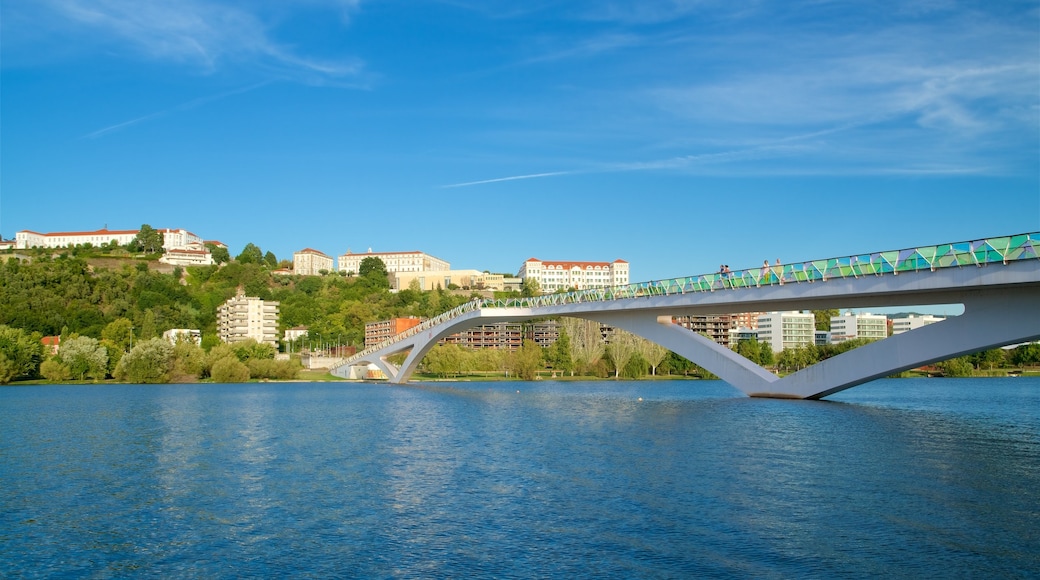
676	135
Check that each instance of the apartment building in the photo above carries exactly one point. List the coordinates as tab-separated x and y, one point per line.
850	326
244	317
718	328
562	275
787	329
394	262
311	262
377	332
901	325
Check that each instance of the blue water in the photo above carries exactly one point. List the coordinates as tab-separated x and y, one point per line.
908	478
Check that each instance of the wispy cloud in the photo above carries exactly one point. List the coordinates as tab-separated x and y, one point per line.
205	33
194	103
512	178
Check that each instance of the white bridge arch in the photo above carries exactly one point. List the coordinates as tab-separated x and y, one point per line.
997	280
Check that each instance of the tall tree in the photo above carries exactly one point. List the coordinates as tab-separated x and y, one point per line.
823	318
527	360
20	354
148	240
85	357
652	352
251	254
220	254
587	345
622	347
270	260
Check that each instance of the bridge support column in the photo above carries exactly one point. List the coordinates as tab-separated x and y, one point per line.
990	320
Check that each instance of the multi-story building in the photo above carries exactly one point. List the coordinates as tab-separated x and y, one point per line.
377	332
787	329
244	317
901	325
187	257
311	262
394	262
745	319
716	327
430	280
172	239
849	326
562	275
506	335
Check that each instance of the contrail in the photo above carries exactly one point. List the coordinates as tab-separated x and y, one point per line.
182	107
513	178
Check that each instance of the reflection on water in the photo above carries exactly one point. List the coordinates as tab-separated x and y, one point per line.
614	479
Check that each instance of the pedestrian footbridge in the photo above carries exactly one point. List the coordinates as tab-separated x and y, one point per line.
997	280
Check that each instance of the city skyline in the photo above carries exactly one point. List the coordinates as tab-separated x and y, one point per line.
671	135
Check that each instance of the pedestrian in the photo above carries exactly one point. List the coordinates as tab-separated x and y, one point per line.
765	271
779	272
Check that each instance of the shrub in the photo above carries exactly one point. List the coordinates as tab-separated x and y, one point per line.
229	370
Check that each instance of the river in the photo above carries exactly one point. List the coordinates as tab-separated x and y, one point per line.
648	479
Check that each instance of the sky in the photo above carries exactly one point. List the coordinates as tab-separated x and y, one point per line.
677	135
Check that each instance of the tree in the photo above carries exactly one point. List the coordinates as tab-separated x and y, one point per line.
229	370
558	356
587	345
621	348
220	254
530	288
270	260
527	360
120	333
189	361
372	265
823	318
150	361
956	367
148	240
652	353
85	357
20	354
251	254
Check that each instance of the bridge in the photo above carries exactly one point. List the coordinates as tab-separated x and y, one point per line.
997	280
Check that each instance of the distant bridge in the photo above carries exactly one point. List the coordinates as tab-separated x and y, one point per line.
996	279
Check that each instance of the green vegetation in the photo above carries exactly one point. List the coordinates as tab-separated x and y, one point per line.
110	309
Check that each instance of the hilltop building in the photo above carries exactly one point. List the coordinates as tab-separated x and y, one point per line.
430	280
191	335
311	262
562	275
172	239
394	262
243	317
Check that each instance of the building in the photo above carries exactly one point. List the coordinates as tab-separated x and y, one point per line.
430	280
51	344
901	325
718	327
787	329
244	317
745	319
377	332
186	257
294	333
563	275
311	262
394	262
188	334
850	326
506	335
172	239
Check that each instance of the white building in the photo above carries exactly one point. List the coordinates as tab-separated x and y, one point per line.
172	239
394	261
850	326
311	262
191	335
901	325
187	257
244	317
562	275
787	329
